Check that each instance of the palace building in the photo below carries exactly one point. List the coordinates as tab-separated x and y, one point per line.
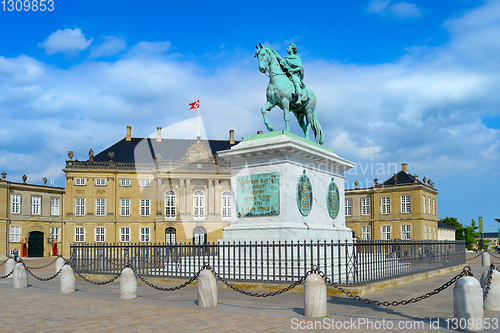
402	207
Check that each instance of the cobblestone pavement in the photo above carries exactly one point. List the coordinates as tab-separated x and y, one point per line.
41	308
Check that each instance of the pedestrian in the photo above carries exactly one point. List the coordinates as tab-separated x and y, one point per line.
16	254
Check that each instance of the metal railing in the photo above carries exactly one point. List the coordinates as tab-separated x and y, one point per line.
348	263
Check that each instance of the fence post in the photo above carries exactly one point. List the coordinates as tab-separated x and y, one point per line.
486	259
492	302
468	302
128	284
67	280
20	276
315	296
60	262
9	266
207	289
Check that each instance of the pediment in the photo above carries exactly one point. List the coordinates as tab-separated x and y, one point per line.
198	151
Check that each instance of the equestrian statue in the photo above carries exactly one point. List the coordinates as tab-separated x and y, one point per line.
287	90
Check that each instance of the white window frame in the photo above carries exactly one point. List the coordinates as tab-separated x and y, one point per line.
425	231
100	234
145	234
55	206
145	207
100	207
79	181
36	205
79	206
15	204
433	206
385	203
170	238
423	202
144	182
406	232
197	236
430	232
199	205
124	182
366	232
405	200
125	234
170	204
386	232
100	182
55	232
434	229
226	198
429	205
15	234
124	207
365	206
79	234
348	207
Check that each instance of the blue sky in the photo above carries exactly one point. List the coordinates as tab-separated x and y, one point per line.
396	81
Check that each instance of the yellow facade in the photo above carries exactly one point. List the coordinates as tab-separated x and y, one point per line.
400	208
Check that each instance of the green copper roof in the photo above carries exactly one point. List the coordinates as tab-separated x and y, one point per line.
277	133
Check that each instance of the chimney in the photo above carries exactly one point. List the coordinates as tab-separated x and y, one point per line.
231	137
259	132
129	133
404	167
158	134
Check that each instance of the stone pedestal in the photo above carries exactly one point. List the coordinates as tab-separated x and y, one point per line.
492	302
485	258
9	266
286	188
20	276
128	284
315	296
67	280
468	302
207	289
60	262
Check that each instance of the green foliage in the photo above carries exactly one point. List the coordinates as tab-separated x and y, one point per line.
451	221
467	233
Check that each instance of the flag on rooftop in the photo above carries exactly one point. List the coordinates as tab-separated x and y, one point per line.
195	105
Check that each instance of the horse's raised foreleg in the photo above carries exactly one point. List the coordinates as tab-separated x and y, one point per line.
267	107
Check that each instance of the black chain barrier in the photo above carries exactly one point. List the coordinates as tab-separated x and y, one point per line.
491	254
149	284
50	263
93	282
465	272
39	278
4	261
480	253
488	281
6	276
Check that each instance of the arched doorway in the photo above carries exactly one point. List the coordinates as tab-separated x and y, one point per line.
171	242
200	240
35	244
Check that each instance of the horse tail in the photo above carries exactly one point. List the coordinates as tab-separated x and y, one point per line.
316	127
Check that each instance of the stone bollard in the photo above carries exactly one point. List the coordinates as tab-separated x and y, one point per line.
468	302
20	276
128	284
9	266
60	262
68	280
492	302
207	289
486	259
315	296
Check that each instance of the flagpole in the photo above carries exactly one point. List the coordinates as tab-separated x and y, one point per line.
198	119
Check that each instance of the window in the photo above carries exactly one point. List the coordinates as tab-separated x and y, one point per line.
365	206
386	232
423	203
199	236
348	207
15	233
36	205
55	233
433	206
405	204
170	203
170	236
406	232
429	205
366	232
226	205
100	207
434	227
386	205
125	234
430	232
79	234
199	204
15	203
144	207
124	182
80	181
79	207
100	182
99	234
54	206
125	207
144	182
425	230
144	234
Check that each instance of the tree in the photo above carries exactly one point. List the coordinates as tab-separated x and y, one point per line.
451	221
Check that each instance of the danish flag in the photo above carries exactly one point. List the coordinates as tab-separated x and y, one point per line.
195	105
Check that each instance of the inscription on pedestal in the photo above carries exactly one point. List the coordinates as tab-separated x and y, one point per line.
304	194
258	195
332	200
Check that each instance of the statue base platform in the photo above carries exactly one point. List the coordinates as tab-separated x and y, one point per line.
286	188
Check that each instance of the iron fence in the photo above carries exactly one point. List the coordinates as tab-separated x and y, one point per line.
347	263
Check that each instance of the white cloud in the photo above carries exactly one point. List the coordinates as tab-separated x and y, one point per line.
70	41
401	10
151	47
111	46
